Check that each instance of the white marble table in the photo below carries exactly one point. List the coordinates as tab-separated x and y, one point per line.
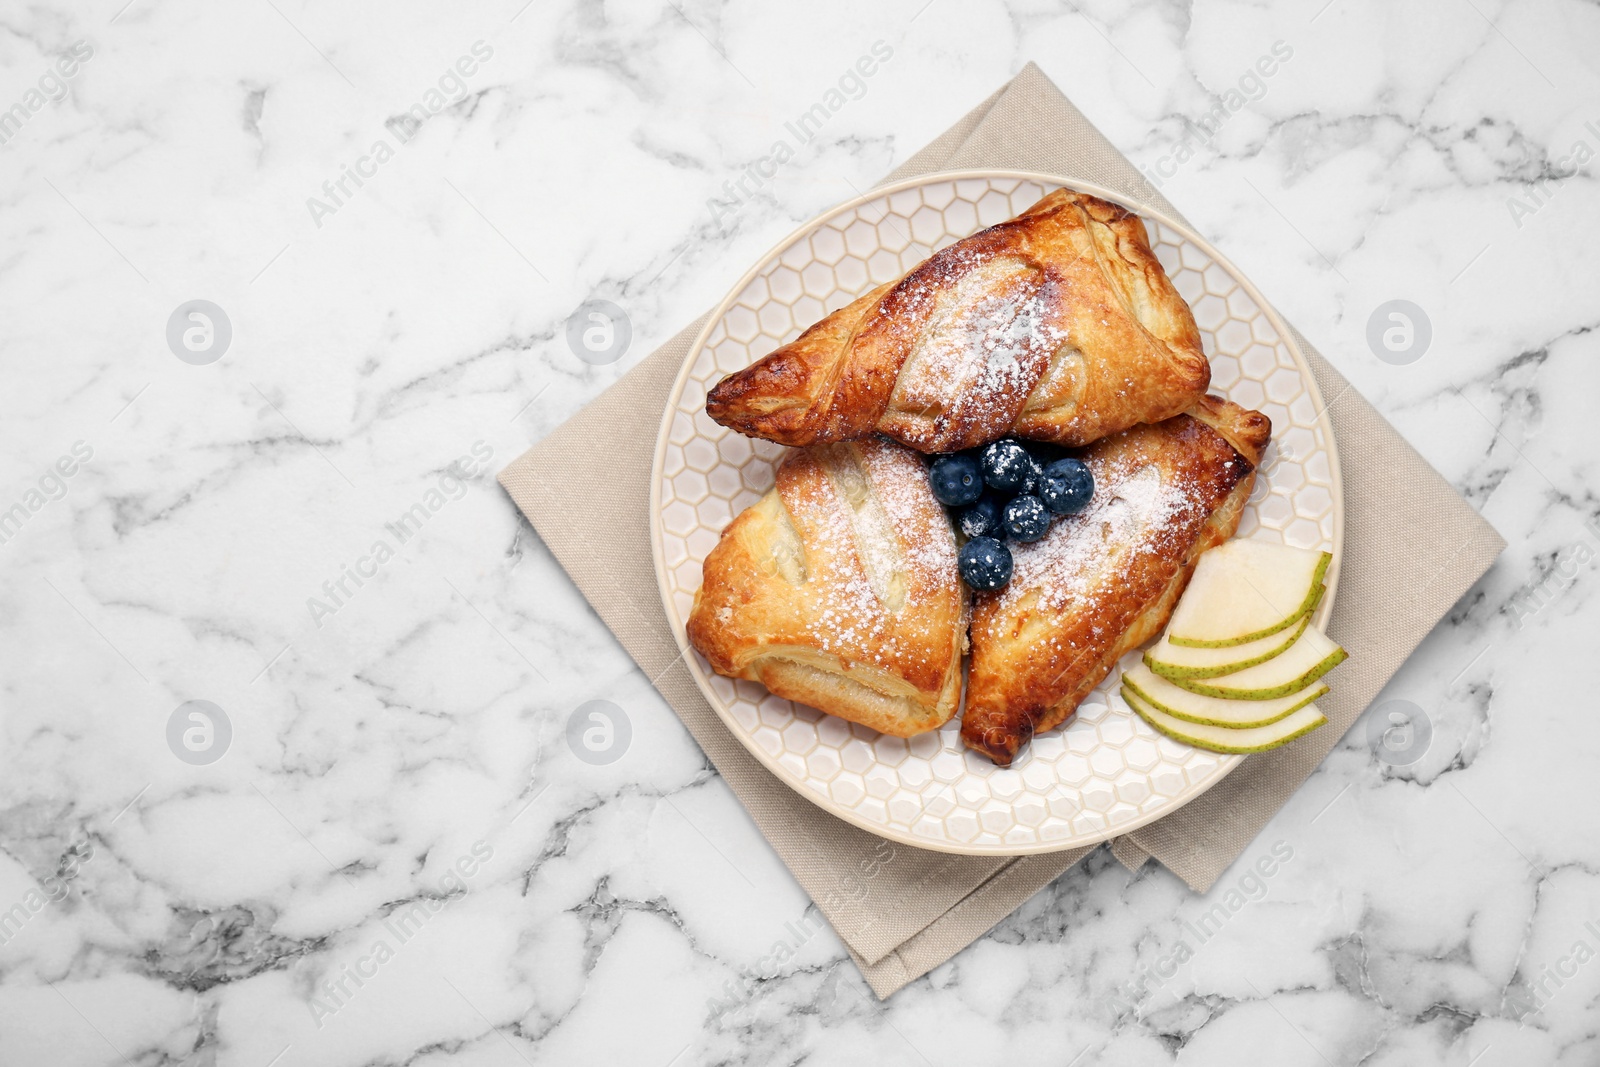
398	859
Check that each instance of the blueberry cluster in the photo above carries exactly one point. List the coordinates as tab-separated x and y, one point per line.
1006	491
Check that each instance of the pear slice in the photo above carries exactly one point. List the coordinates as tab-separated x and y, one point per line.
1309	658
1224	739
1179	703
1243	591
1180	661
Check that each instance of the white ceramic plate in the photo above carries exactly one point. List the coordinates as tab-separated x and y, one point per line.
1106	772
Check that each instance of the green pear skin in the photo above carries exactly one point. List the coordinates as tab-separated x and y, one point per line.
1229	741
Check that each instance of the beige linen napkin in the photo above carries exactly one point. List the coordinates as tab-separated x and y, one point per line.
1412	548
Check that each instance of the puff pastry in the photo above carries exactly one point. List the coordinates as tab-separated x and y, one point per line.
839	589
1058	325
1103	582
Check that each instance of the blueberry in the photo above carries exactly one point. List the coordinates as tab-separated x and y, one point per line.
1044	453
1030	480
1008	467
1066	486
956	480
982	518
985	563
1026	518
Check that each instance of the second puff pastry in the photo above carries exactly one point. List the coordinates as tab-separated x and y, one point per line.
839	589
1058	325
1105	581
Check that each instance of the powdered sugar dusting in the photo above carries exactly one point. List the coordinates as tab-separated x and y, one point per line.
985	332
898	540
848	614
900	481
1083	556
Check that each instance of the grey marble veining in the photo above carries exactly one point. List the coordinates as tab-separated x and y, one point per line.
400	857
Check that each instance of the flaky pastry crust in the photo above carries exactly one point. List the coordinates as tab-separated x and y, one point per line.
1058	325
839	589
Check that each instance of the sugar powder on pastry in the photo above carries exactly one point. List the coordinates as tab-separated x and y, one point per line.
1059	325
839	589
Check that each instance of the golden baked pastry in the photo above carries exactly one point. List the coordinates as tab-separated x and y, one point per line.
1104	581
839	589
1059	325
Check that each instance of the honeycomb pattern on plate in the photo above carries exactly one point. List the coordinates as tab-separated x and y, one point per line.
1106	771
